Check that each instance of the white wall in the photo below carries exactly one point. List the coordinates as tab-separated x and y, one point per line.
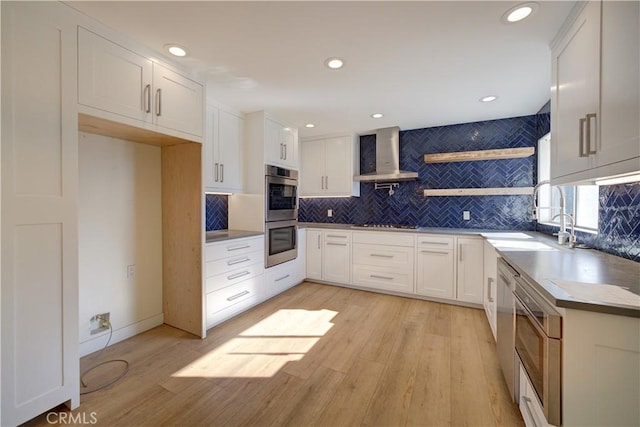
120	224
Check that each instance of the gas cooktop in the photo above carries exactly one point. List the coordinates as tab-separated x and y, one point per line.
399	226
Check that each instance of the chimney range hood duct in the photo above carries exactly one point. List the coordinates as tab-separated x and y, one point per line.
387	159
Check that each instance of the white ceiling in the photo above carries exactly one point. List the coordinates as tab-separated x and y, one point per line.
420	63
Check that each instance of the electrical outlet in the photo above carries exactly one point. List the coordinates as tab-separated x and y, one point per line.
330	213
100	323
466	215
131	271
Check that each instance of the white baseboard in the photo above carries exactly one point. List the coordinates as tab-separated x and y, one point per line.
97	342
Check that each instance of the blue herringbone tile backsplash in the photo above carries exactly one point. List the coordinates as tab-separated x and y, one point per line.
217	212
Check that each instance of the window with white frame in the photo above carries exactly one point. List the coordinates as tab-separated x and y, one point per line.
581	201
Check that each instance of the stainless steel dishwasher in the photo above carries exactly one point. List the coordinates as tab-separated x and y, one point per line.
506	325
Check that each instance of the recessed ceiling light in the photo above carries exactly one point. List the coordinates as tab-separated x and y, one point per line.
309	125
176	50
519	12
334	63
489	98
377	115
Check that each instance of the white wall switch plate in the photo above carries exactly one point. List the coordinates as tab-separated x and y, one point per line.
466	215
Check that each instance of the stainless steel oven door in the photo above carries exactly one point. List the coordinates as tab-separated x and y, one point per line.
281	199
540	356
280	242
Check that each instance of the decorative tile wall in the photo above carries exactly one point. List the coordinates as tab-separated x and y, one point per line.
217	212
409	206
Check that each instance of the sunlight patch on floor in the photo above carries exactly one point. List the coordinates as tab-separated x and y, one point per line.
263	349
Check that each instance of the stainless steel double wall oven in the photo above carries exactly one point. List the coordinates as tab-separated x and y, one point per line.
281	215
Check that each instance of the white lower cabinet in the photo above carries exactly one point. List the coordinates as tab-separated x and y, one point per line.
301	261
314	254
435	266
490	290
336	256
469	267
280	278
530	407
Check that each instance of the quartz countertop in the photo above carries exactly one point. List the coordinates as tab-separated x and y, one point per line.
222	235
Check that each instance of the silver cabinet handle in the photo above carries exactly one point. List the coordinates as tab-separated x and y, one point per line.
460	250
221	172
336	235
158	102
322	182
283	277
216	174
435	252
588	117
235	248
238	261
582	153
381	256
236	296
527	403
434	243
336	244
147	98
285	151
281	151
235	276
375	276
489	282
318	241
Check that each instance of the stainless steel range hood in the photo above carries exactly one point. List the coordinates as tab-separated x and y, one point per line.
387	159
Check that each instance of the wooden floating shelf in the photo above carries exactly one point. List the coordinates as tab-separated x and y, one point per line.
467	156
505	191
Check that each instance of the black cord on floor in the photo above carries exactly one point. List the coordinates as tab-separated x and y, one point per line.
108	383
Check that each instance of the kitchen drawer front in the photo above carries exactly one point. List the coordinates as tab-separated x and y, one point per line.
232	277
385	238
383	256
432	241
337	236
235	247
234	295
232	263
280	278
389	279
530	407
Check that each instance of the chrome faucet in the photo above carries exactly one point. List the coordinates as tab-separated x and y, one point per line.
562	234
572	236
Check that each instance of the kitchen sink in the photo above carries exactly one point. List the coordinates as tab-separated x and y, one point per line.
521	245
506	235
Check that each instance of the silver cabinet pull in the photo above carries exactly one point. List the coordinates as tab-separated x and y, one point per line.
322	182
381	256
236	296
283	277
158	102
582	153
588	117
235	276
238	261
435	252
434	243
281	151
326	182
336	235
221	172
336	244
285	151
318	241
375	276
235	248
460	246
489	282
216	174
527	403
147	98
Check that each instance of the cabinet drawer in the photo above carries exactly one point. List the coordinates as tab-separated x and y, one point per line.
235	247
229	278
530	407
232	295
337	236
385	238
390	279
431	241
280	278
388	256
235	262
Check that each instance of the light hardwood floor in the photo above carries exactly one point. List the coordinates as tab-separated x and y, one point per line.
316	355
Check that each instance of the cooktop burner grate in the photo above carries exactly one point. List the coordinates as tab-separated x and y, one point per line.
400	226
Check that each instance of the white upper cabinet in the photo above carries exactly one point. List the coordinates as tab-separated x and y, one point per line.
120	85
595	96
223	147
328	166
281	144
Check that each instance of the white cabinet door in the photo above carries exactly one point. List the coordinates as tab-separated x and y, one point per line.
470	269
274	146
113	78
301	260
210	167
230	137
338	166
435	272
312	168
620	85
575	94
490	290
289	138
336	257
40	349
177	101
314	254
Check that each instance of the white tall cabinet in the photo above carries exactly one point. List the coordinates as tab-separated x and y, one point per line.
40	356
223	150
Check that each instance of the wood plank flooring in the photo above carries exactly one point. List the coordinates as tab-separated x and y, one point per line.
316	355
